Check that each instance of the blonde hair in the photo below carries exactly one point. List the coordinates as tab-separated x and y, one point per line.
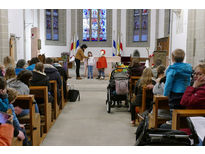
8	61
10	73
178	55
201	67
12	94
146	77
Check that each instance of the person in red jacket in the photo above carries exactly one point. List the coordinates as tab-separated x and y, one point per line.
101	65
194	96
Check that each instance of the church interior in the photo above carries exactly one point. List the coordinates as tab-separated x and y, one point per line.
56	91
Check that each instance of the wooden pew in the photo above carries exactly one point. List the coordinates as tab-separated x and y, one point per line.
41	92
145	93
56	107
32	120
132	82
16	142
160	102
62	95
178	117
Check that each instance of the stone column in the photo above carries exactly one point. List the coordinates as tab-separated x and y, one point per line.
4	41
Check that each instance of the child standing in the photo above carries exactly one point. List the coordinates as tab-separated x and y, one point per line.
101	65
178	77
91	62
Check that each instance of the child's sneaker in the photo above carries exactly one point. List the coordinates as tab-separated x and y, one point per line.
101	78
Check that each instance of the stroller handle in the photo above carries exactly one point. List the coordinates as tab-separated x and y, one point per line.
162	135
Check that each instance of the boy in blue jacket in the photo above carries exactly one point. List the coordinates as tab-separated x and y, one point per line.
4	102
178	77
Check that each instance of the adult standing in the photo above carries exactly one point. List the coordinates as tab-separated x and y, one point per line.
79	57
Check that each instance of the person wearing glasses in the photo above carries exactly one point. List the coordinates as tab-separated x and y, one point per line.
194	96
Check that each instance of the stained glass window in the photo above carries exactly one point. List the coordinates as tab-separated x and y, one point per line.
94	25
52	27
55	25
48	25
140	33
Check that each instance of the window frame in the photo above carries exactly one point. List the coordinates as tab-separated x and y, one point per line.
61	28
108	42
130	30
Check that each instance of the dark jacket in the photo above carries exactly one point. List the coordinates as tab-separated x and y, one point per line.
136	70
194	98
53	74
40	79
63	73
138	93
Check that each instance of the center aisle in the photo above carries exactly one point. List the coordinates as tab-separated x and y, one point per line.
86	122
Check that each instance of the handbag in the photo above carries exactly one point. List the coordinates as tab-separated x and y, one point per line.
73	95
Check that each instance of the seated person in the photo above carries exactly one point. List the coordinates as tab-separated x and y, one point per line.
4	102
135	68
2	70
21	133
145	80
53	74
63	73
154	69
10	74
39	78
159	86
32	63
194	96
21	64
6	134
21	84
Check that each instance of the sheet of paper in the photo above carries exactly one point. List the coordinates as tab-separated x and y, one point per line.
199	125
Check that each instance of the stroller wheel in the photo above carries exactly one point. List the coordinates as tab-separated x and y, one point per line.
108	106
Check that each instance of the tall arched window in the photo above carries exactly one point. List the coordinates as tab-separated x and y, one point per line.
95	27
55	27
52	32
140	33
138	28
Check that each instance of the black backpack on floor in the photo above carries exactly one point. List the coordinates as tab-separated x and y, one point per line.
73	95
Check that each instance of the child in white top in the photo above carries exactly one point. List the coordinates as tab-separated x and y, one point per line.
91	63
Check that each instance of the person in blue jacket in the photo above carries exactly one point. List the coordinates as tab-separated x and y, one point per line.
20	65
4	102
178	77
32	63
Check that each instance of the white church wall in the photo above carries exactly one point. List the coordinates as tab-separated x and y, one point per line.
179	31
15	26
161	23
143	52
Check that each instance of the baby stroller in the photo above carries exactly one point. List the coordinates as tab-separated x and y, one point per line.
117	90
164	137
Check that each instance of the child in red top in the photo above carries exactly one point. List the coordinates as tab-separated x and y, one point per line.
101	65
